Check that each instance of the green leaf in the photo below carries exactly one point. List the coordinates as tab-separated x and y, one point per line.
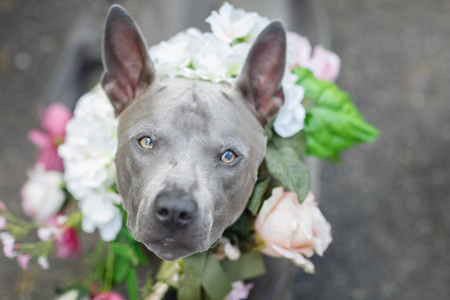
132	286
286	167
269	128
142	257
202	270
121	269
126	252
214	280
240	228
189	282
333	124
248	266
257	196
296	142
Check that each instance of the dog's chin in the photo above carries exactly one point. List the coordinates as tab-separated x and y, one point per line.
171	249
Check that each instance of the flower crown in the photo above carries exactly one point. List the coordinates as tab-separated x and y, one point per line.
317	118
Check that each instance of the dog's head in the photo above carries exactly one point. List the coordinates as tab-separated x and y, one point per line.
188	151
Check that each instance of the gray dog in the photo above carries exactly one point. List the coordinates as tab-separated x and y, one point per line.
189	150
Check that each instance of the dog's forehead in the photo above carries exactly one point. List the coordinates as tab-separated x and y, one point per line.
193	106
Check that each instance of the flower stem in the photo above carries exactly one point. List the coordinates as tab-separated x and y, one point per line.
109	269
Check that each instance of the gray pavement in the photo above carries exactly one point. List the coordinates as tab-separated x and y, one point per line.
388	202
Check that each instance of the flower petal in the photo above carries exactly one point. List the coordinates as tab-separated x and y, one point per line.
55	119
23	260
40	139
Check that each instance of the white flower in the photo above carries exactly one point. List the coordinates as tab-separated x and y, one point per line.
232	252
8	242
210	60
173	57
90	146
227	250
291	117
229	24
42	196
43	262
88	153
99	211
235	61
258	27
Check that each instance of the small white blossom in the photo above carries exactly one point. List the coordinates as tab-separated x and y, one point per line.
8	242
43	262
72	295
42	194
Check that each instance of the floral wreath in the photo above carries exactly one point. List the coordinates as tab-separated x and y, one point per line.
75	164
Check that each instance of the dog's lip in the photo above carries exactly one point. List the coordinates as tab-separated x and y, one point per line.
168	241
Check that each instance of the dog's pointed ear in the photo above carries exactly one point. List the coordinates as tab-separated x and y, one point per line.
128	69
260	79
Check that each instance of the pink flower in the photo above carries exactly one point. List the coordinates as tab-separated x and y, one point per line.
108	296
23	260
8	244
299	49
66	239
68	245
324	64
53	122
293	230
3	223
239	291
2	206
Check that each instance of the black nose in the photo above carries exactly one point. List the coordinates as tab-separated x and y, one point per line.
175	209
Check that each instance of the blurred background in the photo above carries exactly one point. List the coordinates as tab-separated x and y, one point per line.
388	202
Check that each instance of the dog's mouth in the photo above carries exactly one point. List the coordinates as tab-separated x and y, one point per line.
168	242
169	248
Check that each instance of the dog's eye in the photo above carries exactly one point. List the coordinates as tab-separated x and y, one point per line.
228	157
146	142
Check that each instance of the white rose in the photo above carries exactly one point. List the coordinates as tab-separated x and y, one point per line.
293	230
42	196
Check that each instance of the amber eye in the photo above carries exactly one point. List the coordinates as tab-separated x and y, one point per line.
228	157
146	142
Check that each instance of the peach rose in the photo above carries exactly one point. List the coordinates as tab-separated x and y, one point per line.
293	230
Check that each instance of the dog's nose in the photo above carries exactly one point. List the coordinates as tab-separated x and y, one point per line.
175	210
